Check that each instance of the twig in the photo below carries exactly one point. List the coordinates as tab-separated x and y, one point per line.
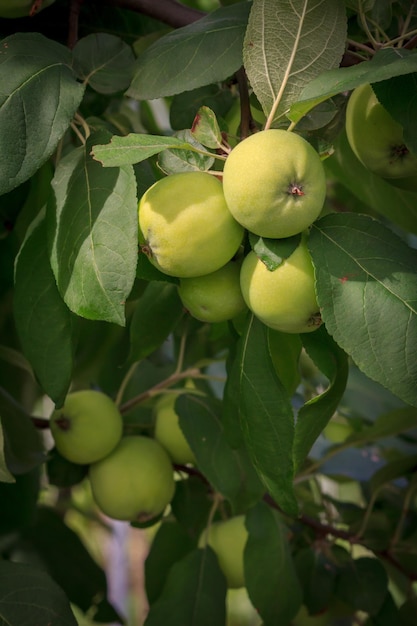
169	12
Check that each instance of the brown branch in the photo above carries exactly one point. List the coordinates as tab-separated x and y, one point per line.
74	14
169	12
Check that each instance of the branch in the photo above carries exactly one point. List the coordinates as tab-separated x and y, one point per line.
170	12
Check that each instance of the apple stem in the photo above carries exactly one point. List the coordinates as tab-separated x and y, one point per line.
63	422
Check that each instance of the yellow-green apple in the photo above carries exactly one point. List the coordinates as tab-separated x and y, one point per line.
228	539
168	431
274	183
87	427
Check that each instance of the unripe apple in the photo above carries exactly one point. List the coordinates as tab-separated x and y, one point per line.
285	298
185	225
215	297
135	482
228	539
376	138
274	183
21	8
87	427
168	431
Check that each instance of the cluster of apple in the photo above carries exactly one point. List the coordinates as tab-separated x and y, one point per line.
378	140
192	226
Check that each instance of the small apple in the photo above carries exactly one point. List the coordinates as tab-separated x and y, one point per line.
274	183
87	427
285	298
338	429
135	482
228	539
215	297
376	138
168	431
22	8
185	226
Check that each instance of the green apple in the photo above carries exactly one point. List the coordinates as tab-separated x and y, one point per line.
228	539
274	183
22	8
87	427
285	298
135	482
168	431
215	297
185	226
376	138
338	429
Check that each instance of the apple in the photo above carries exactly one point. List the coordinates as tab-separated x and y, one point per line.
285	298
168	431
376	138
338	429
185	226
87	427
135	482
274	183
22	8
228	539
214	297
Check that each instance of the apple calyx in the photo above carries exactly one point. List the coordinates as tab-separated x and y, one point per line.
294	189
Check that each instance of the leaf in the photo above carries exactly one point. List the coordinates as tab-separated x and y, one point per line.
317	576
39	96
391	471
270	575
43	321
229	471
5	475
206	129
363	584
194	593
135	147
178	160
23	446
266	415
157	312
93	234
19	501
314	415
204	52
104	61
366	280
287	44
385	64
29	596
272	252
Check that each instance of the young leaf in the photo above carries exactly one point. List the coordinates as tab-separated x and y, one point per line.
93	234
270	574
177	160
287	44
206	129
104	61
273	252
30	596
366	281
43	321
39	96
202	53
266	415
194	593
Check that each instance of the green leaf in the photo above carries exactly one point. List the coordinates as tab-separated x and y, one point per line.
385	64
366	280
204	52
19	501
23	446
287	44
398	97
314	415
285	349
43	321
228	470
157	312
104	61
369	188
178	160
392	470
206	129
194	593
39	96
93	234
185	105
272	252
317	576
5	475
270	575
29	596
266	415
363	584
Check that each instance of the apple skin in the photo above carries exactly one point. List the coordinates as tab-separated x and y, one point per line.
283	299
274	183
185	225
135	482
20	8
376	138
228	539
168	431
87	427
215	297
